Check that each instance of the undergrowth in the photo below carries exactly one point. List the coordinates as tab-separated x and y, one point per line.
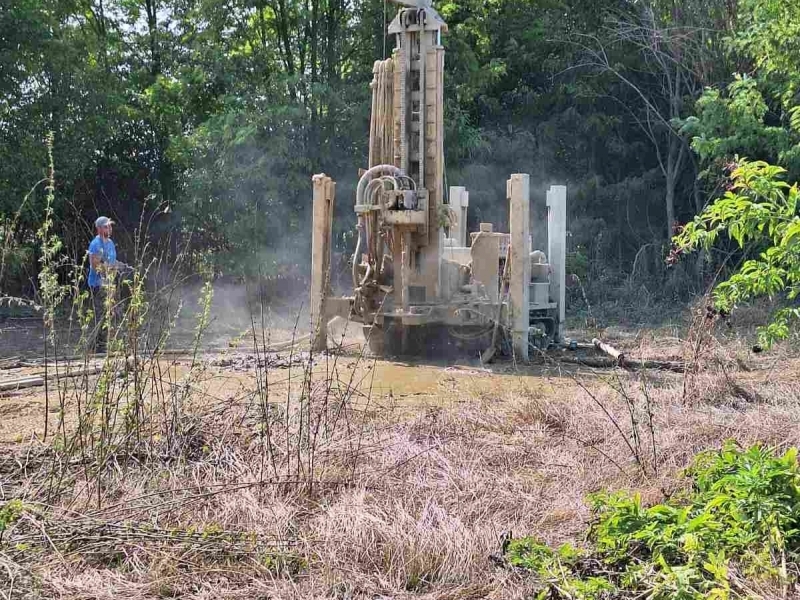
738	520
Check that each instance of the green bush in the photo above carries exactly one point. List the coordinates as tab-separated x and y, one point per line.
740	518
577	263
759	211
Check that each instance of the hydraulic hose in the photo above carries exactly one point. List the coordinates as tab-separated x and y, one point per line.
369	174
356	257
362	225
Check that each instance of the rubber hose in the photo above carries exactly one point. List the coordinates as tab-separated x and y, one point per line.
356	254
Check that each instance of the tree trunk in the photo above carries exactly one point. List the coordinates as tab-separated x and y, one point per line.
670	207
152	31
315	100
164	174
675	156
284	37
102	34
696	191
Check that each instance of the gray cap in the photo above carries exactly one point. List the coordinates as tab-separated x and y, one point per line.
102	221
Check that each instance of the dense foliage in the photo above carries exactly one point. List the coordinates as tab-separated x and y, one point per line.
208	117
200	122
740	517
757	116
758	211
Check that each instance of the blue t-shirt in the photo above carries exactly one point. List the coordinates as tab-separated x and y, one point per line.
108	254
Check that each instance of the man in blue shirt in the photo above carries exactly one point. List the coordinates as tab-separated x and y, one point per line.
103	266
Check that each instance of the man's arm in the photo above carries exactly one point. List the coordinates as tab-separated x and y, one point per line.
95	256
96	261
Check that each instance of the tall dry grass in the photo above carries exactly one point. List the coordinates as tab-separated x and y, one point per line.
300	483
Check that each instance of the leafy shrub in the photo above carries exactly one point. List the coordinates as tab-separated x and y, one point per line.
577	263
740	516
761	211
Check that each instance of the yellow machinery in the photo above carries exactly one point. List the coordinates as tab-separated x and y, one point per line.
415	279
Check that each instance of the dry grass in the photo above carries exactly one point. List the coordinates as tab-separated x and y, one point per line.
406	499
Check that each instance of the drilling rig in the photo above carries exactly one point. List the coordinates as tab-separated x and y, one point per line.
416	280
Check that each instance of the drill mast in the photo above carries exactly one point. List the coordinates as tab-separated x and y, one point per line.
406	131
408	275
